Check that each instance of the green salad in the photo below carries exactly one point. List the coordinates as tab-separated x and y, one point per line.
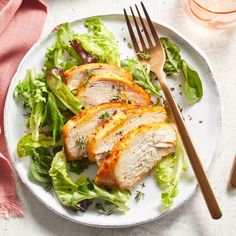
49	104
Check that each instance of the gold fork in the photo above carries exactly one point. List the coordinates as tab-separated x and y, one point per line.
157	61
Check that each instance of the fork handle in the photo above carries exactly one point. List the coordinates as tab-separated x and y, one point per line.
194	159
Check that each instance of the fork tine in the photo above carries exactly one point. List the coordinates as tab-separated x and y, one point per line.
131	32
138	30
151	26
144	28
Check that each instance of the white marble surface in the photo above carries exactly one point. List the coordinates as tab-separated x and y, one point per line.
192	218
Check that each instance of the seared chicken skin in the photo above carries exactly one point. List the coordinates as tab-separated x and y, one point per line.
77	130
77	74
136	154
101	142
110	87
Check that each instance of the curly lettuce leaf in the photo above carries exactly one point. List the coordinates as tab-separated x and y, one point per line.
60	90
100	42
61	54
168	173
140	75
33	90
174	64
27	144
72	193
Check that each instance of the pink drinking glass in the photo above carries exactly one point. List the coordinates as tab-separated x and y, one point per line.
212	13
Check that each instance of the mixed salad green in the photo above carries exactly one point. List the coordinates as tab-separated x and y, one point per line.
49	104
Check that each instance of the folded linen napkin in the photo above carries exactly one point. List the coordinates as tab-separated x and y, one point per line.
21	23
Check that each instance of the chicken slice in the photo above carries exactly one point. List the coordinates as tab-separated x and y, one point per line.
110	87
107	135
77	130
136	154
77	74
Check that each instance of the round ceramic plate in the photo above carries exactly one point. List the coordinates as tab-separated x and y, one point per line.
203	121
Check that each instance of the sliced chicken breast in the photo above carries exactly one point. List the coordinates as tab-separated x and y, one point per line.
77	130
136	154
78	74
110	87
107	135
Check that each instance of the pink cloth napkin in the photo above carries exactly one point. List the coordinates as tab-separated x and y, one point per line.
21	23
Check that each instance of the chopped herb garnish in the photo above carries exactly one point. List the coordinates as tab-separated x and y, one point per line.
143	185
139	195
116	97
88	73
74	92
118	89
106	152
104	116
84	82
81	142
104	211
129	45
48	186
120	132
143	55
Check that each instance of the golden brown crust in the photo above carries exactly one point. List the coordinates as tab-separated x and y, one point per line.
127	84
85	116
115	122
68	74
106	172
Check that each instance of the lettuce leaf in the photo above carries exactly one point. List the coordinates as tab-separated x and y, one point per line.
72	193
41	160
168	173
27	144
55	117
33	90
174	64
61	54
60	90
140	75
173	58
193	85
78	166
100	42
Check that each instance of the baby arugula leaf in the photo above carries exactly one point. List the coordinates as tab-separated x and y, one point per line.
173	58
193	84
174	64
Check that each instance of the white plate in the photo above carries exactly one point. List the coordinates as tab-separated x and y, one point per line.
205	135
